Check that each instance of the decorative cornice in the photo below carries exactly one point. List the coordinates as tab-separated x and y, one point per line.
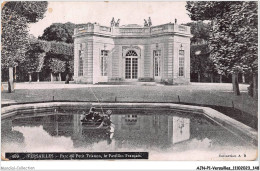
133	32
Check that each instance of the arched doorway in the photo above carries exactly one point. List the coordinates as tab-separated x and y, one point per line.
131	65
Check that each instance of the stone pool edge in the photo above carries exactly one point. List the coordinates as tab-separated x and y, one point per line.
227	122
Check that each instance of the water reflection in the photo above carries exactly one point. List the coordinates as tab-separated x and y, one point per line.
180	129
129	132
10	138
133	131
142	130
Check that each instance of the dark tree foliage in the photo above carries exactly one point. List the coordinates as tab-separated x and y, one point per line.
71	66
200	32
199	60
208	10
233	35
34	57
201	63
47	57
16	16
14	38
233	38
63	50
57	66
61	46
33	11
59	32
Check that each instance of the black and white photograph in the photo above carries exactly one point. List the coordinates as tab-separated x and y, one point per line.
129	81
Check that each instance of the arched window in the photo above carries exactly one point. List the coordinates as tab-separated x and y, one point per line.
131	65
131	53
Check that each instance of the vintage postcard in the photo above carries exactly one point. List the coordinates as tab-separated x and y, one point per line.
129	81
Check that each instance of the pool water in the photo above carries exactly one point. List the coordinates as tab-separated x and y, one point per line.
166	135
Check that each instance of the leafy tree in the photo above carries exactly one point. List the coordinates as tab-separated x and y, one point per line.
15	19
57	66
233	38
59	32
38	50
199	57
69	70
60	50
33	11
200	32
13	45
201	63
34	58
71	66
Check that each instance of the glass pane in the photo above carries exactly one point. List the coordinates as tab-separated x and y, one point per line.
128	68
105	66
181	62
181	52
131	53
103	62
80	67
181	66
181	71
134	68
102	65
156	67
104	52
157	54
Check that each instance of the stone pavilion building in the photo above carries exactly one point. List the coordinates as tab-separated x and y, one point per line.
131	53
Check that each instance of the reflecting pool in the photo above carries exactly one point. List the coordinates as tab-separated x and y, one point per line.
165	135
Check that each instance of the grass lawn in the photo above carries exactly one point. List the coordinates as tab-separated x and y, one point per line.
195	93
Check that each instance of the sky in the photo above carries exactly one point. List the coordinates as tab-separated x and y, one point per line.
102	13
